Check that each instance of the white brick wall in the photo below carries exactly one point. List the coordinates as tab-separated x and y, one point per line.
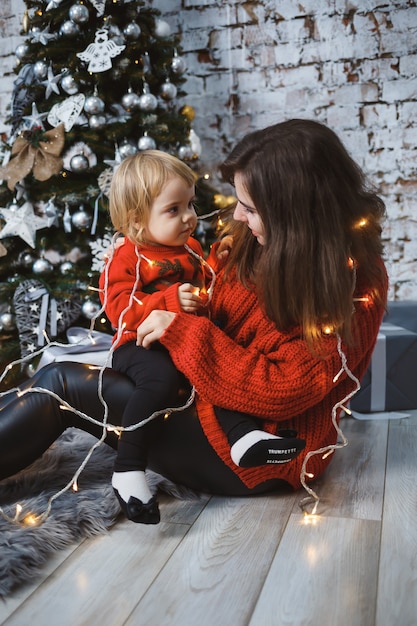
349	64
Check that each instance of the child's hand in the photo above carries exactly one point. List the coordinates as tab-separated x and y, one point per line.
189	298
224	247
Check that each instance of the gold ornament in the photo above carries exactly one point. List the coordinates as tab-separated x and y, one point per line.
39	155
222	202
25	21
188	112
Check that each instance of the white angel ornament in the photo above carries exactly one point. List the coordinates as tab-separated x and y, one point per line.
100	53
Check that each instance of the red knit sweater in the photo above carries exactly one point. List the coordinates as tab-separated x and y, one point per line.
238	360
161	272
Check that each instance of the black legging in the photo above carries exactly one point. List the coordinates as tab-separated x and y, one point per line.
156	384
29	424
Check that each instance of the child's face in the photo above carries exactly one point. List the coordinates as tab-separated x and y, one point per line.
172	218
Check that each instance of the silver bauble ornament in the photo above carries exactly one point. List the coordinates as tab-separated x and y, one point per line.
90	309
21	51
185	153
26	259
132	31
178	65
79	163
168	90
40	70
30	369
162	29
148	102
127	149
42	266
79	14
94	105
69	85
69	29
81	220
146	143
130	101
66	268
7	321
97	121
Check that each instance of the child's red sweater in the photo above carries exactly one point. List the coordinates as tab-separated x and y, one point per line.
162	269
240	361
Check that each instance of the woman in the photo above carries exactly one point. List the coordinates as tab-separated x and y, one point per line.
304	288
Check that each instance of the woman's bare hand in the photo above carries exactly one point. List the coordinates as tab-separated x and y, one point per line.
153	327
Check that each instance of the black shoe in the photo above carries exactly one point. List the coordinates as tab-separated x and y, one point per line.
272	451
138	512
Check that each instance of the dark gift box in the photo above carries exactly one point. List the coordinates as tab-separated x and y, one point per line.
390	383
402	313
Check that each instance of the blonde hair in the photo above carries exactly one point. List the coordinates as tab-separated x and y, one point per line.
136	183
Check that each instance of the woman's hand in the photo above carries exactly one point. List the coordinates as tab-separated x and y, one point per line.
153	327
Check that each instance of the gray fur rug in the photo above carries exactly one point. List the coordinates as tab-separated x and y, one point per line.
73	516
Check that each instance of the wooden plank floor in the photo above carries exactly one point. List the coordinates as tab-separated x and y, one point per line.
256	561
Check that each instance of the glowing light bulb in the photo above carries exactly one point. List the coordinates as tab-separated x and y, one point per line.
30	520
327	330
361	223
310	519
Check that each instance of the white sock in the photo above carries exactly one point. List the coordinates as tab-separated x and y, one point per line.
131	484
243	444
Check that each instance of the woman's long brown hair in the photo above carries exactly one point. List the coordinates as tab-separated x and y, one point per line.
318	213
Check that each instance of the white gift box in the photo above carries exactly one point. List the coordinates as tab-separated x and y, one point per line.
84	346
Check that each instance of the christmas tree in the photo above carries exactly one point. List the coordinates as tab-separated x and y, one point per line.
97	80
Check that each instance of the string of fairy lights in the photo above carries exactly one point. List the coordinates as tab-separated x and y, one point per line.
30	519
27	518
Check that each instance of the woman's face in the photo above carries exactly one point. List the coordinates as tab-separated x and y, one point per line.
245	211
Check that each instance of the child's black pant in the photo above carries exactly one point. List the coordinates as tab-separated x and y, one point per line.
157	384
